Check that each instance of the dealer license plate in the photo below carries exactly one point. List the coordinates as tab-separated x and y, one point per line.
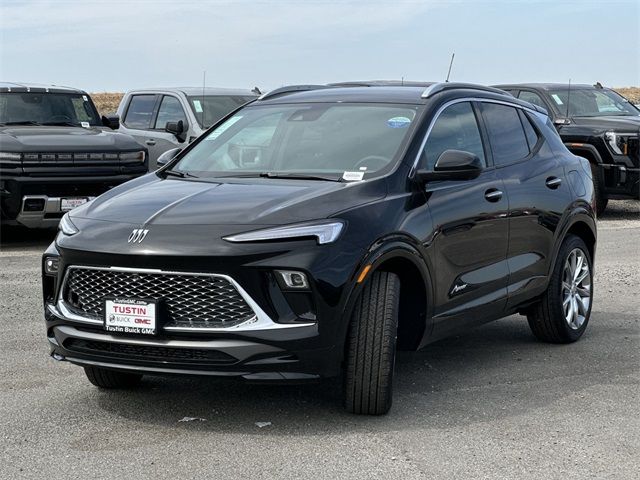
67	204
130	316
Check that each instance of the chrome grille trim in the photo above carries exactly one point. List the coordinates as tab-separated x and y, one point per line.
259	321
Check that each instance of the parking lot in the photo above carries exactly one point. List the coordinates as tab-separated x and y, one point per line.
491	403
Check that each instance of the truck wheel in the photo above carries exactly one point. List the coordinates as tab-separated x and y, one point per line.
563	313
104	378
598	184
371	346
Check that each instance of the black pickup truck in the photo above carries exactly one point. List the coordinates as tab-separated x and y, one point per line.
56	153
595	123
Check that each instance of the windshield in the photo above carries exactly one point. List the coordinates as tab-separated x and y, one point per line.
330	141
211	108
47	109
592	103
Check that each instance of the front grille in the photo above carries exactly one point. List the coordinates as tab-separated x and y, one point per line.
187	301
150	353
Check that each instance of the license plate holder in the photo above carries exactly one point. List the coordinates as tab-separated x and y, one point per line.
69	203
131	315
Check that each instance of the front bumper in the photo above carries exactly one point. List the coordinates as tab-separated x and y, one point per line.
36	202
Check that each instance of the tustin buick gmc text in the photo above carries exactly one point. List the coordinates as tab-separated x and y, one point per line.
316	230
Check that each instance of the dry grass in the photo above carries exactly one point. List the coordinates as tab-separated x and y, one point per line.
107	102
631	93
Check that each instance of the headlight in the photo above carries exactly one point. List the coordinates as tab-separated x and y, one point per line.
10	157
324	232
132	157
66	226
618	143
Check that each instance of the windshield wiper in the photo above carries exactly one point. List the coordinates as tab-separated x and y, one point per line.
62	124
300	176
175	173
22	122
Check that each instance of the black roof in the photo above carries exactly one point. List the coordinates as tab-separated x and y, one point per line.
377	91
37	88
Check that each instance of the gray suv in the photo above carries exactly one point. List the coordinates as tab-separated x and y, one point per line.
145	114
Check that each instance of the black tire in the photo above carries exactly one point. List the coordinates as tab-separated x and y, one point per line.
104	378
598	189
371	346
547	317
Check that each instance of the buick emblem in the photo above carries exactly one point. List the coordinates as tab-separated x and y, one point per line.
137	235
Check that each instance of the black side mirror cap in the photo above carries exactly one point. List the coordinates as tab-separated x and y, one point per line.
167	156
452	165
111	121
179	129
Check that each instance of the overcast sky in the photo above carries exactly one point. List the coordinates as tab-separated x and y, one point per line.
118	45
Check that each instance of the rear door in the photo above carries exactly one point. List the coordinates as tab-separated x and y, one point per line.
470	240
534	179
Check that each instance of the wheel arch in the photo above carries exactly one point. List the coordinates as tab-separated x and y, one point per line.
400	257
581	224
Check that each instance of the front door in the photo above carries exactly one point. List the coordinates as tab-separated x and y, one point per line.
471	228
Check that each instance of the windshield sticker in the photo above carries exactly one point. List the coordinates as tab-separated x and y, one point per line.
353	176
85	124
398	122
222	128
84	97
556	98
198	106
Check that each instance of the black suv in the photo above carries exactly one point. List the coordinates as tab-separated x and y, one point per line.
315	230
597	124
55	154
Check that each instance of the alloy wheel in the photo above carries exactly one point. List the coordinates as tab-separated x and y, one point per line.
576	288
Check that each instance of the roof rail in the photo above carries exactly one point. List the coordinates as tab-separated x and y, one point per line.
441	87
382	83
291	89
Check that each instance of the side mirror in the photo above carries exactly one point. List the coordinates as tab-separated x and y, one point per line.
111	121
558	122
167	156
452	165
179	129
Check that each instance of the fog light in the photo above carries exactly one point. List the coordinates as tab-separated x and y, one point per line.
293	279
51	265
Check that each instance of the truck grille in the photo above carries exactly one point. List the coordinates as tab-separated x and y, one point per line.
188	300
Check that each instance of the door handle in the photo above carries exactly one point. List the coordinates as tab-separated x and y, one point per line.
553	182
150	142
493	195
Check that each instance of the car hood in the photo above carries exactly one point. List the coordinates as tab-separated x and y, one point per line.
151	200
63	139
609	122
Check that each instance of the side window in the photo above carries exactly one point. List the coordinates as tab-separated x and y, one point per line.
170	111
140	111
455	129
532	98
506	134
529	131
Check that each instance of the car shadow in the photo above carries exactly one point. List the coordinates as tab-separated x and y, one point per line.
492	372
621	210
18	238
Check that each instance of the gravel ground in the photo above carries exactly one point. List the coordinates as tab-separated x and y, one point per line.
492	403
